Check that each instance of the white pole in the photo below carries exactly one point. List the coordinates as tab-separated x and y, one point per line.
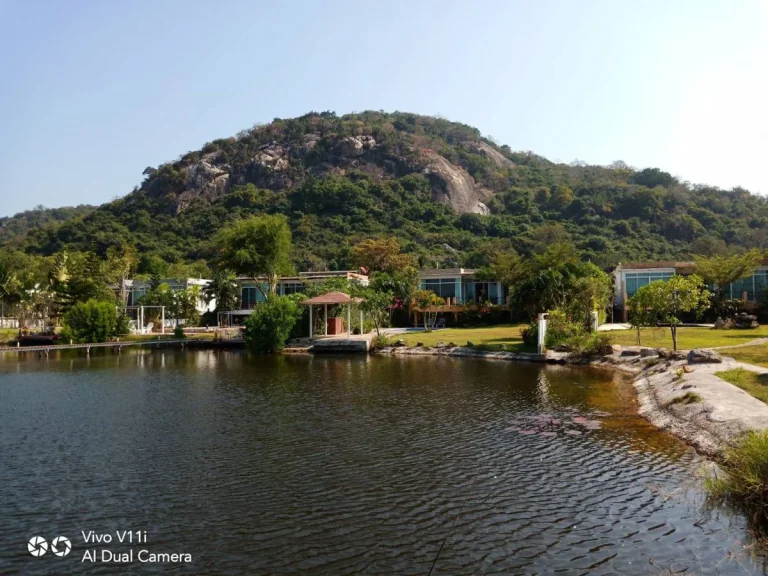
162	320
349	320
325	319
310	320
361	321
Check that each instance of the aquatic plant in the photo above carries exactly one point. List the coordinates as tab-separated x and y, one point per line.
745	483
687	398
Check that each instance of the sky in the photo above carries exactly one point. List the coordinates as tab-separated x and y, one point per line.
91	93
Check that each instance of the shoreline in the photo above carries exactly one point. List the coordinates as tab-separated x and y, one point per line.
659	377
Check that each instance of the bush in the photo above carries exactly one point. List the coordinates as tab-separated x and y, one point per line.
91	321
531	334
561	330
380	341
123	325
746	481
269	326
178	332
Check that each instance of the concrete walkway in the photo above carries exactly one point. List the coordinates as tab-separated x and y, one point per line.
723	413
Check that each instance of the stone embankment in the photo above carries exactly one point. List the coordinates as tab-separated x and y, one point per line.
677	391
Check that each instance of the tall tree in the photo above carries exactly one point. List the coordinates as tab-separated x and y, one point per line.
257	247
121	265
720	271
222	289
380	255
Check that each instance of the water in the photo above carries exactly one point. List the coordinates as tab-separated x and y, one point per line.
346	465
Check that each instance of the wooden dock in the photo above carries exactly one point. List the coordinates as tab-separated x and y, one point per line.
45	348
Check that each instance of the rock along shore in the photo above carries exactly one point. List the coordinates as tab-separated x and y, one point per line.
717	413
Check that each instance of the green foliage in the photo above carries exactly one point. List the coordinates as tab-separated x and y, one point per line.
375	305
720	271
745	482
257	246
223	290
663	302
178	332
91	321
269	326
428	302
380	341
561	329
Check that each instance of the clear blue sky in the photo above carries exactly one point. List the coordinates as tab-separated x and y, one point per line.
93	92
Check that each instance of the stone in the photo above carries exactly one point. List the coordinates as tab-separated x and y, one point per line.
440	345
668	354
719	324
704	356
470	344
630	352
419	344
452	344
353	146
400	343
745	321
648	352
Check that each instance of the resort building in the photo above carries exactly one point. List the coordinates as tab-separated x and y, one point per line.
629	278
136	289
252	291
460	286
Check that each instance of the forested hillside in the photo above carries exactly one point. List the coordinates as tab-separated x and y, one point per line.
451	196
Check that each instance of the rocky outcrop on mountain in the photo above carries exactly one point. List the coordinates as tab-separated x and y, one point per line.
455	186
353	146
206	180
492	154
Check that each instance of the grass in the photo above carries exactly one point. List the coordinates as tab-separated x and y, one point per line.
687	398
167	336
504	337
757	355
688	338
752	383
8	334
746	481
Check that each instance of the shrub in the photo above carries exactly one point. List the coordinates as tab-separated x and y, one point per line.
591	344
560	330
91	321
122	325
269	326
380	341
746	481
178	332
531	334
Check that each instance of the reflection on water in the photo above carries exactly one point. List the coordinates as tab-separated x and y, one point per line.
348	465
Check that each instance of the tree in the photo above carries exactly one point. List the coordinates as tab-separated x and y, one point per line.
401	284
90	321
223	290
428	301
376	306
506	267
590	289
380	255
259	246
664	301
269	326
121	265
721	271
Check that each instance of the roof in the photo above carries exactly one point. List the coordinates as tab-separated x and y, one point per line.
677	265
314	276
441	272
331	298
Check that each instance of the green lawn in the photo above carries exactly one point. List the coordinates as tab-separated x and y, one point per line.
757	355
688	338
506	337
8	334
752	383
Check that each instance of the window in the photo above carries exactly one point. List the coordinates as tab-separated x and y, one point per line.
636	280
251	295
443	287
754	286
292	288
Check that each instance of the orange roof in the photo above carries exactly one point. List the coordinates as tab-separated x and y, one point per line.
331	298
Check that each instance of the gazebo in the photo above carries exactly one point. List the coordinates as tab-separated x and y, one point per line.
333	298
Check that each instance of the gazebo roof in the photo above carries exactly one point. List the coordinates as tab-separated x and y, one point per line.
331	298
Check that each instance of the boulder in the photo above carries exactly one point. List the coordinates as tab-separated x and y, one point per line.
648	352
744	320
400	343
670	354
719	324
452	344
419	344
630	352
704	356
440	345
353	146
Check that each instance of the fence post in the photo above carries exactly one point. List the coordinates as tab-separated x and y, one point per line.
542	333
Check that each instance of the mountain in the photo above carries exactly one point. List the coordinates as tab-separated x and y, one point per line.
452	197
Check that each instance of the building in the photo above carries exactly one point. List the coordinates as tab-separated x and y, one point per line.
252	291
629	278
136	289
461	290
460	286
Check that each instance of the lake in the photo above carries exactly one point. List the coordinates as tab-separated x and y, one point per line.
344	465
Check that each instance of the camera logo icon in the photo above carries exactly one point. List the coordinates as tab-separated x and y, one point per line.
61	546
37	546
